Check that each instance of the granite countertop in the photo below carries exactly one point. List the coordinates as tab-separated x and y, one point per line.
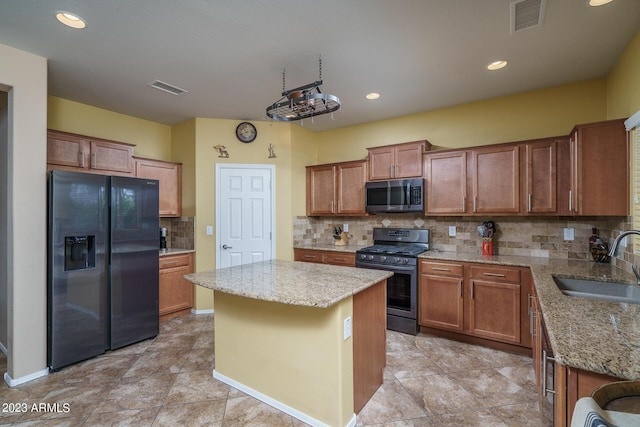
598	336
290	282
175	251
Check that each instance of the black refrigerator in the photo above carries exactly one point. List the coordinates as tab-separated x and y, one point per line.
102	264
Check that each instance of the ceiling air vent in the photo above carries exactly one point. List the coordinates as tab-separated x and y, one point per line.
167	87
526	14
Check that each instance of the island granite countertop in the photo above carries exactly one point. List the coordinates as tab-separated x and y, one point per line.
290	282
593	335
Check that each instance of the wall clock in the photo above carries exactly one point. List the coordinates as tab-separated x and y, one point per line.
246	132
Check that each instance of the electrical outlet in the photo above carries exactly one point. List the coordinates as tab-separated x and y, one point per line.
569	234
452	231
345	228
347	327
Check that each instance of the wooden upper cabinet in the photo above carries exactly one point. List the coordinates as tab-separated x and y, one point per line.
446	182
540	193
496	179
397	161
350	181
169	175
599	165
69	151
321	187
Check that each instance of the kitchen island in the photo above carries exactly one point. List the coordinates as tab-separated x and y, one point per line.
308	339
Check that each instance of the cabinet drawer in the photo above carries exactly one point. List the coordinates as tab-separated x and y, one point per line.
496	274
308	255
171	261
441	268
340	259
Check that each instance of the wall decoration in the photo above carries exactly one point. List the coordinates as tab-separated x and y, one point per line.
222	151
272	152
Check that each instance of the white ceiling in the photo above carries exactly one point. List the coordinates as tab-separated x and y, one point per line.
419	55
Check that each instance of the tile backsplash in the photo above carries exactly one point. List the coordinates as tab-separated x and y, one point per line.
180	232
526	236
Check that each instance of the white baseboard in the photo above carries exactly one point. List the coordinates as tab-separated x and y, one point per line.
207	311
12	382
275	403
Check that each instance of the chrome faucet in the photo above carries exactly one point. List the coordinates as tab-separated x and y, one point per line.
614	247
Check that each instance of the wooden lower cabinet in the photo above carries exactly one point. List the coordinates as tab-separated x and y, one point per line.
325	257
476	301
564	385
176	293
441	295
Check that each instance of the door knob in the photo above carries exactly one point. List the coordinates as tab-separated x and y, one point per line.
227	247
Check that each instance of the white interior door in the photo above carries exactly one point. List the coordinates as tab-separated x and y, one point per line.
244	214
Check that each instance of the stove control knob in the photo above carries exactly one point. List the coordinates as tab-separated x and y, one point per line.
363	256
370	257
396	260
383	258
405	260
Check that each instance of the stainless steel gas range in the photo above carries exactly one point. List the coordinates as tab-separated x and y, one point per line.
396	250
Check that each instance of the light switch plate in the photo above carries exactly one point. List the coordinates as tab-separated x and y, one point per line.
209	230
452	231
569	234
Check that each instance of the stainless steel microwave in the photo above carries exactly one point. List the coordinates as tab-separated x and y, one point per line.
398	195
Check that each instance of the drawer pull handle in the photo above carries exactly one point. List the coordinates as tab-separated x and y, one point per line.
310	257
170	262
494	274
440	269
339	259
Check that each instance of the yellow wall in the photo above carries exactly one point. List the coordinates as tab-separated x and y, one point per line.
529	115
151	139
295	355
304	152
183	150
623	83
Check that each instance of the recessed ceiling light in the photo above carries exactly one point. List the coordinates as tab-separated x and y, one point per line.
372	95
496	65
71	20
598	2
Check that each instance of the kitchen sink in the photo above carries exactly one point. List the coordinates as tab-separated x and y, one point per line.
593	289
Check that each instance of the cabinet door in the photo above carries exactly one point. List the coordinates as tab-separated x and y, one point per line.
441	302
446	180
321	190
175	292
408	161
169	176
351	178
541	183
111	156
601	165
495	310
381	163
496	180
67	150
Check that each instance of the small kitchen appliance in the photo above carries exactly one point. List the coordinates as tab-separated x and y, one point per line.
397	195
396	250
163	238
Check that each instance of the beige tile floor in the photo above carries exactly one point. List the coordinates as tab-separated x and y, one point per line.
167	381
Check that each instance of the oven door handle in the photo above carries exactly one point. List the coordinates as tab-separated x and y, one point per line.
387	267
408	194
